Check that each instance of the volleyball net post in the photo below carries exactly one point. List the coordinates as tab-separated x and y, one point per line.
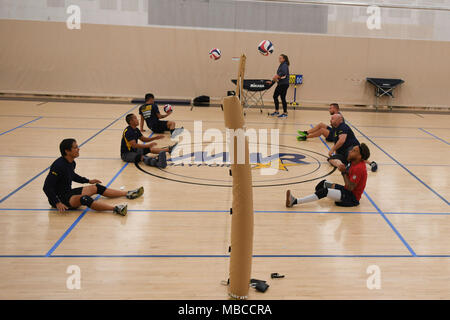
241	248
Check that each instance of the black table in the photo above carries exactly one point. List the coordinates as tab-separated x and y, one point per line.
384	87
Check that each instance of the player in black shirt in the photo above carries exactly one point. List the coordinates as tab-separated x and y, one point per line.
132	151
58	185
150	114
329	133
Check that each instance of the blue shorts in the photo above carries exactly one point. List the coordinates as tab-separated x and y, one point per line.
330	137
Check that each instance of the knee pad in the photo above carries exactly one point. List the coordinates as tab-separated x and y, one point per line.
321	193
86	201
100	189
320	185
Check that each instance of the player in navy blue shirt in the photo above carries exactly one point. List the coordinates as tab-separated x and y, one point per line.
132	151
58	185
344	141
328	132
282	78
149	113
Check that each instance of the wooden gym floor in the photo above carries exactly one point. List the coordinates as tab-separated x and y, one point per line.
173	244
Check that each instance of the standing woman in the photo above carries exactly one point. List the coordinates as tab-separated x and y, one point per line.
282	77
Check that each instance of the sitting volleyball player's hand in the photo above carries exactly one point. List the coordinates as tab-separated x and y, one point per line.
94	181
61	207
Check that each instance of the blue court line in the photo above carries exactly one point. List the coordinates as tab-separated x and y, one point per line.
374	137
434	136
382	214
86	141
281	134
406	164
227	256
66	233
105	158
79	128
55	117
22	125
253	122
284	122
401	165
54	157
391	225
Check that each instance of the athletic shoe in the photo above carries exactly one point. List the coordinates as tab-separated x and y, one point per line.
172	147
302	133
301	138
176	132
136	193
121	209
150	161
162	162
373	166
284	115
276	113
290	199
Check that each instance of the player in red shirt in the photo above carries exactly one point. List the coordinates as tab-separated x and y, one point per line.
355	178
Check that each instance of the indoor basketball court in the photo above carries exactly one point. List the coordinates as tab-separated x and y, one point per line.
176	241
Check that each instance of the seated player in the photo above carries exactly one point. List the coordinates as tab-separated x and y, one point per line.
321	129
344	141
328	133
150	113
58	185
132	151
355	177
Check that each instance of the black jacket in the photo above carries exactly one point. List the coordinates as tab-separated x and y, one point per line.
59	180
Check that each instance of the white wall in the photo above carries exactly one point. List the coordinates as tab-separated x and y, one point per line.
341	20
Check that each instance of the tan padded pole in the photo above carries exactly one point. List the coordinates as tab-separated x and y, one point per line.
242	207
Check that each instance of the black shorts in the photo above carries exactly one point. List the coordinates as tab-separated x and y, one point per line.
338	156
330	137
348	199
134	156
160	127
65	198
342	157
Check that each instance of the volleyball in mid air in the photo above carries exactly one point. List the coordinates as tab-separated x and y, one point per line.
215	54
265	47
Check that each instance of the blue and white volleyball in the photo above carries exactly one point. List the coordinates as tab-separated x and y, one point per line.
215	54
265	47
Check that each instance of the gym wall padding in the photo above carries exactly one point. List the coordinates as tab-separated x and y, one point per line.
106	60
